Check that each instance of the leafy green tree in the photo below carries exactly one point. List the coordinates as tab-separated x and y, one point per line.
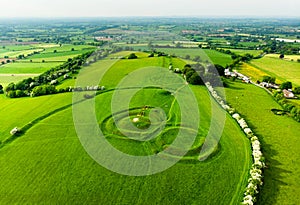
197	59
151	55
286	85
43	90
10	87
20	93
186	69
132	56
195	79
268	79
247	57
189	74
220	69
11	94
297	90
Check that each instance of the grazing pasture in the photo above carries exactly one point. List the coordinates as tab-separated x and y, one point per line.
5	79
47	164
281	69
245	51
42	60
205	54
21	67
280	142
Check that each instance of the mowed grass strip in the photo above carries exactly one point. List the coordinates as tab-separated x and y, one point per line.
280	142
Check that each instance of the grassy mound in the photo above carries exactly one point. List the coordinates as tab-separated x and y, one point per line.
49	165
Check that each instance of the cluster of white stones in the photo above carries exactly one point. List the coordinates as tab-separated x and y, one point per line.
219	99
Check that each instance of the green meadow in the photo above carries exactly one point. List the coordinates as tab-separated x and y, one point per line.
205	54
280	142
20	67
283	70
245	51
38	63
48	165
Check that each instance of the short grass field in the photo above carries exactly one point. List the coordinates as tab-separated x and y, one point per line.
20	67
205	54
283	70
58	56
48	165
5	79
286	57
243	52
15	54
19	112
280	142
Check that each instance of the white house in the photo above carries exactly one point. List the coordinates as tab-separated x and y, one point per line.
288	94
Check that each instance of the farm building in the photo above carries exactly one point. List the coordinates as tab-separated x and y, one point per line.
238	75
228	73
269	85
288	94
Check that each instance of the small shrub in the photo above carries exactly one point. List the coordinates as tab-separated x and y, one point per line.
132	56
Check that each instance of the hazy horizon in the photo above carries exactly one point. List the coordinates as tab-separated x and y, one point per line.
154	8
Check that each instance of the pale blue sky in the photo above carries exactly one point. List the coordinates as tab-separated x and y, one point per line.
96	8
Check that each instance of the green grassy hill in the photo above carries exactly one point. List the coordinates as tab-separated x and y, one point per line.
48	165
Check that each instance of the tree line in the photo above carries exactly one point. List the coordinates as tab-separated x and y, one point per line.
44	83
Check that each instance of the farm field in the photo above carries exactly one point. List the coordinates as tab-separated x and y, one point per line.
243	52
281	69
15	54
280	141
49	165
38	63
253	72
20	67
19	112
205	54
286	57
5	79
